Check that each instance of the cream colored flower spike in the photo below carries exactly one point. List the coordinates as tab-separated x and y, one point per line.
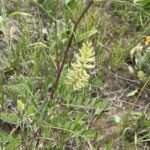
77	75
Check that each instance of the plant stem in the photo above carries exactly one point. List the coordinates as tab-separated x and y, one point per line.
141	91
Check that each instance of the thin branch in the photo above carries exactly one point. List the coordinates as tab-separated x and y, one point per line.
140	93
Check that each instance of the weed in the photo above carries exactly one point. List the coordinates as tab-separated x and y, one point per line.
52	82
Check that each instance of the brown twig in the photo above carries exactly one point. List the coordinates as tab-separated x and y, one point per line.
89	3
57	53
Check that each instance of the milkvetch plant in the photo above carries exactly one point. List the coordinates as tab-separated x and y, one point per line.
77	76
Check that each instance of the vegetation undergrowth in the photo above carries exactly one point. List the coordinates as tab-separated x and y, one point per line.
56	62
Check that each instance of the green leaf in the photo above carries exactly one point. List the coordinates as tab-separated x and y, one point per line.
115	119
14	143
143	122
109	145
131	69
31	110
43	109
4	136
135	139
89	134
12	140
143	3
141	75
100	137
10	118
46	3
98	83
67	1
2	24
86	35
71	3
20	13
132	93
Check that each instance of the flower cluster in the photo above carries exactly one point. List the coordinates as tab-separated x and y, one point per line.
77	75
20	105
